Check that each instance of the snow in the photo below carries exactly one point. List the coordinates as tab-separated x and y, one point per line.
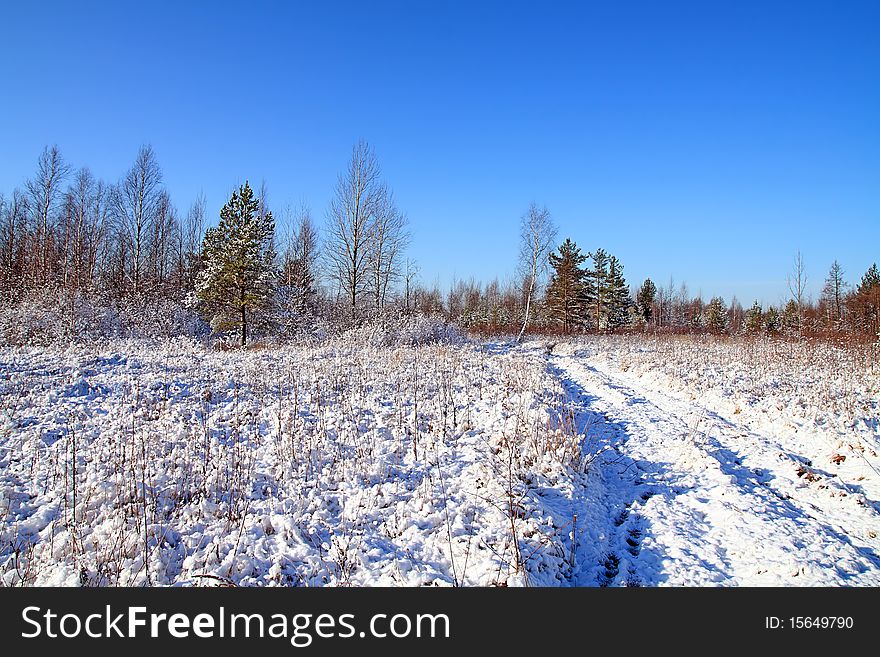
715	485
610	461
338	464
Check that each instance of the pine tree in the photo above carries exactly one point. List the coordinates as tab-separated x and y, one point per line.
771	321
645	299
833	294
716	315
791	317
239	263
870	279
565	296
867	300
754	318
618	299
597	288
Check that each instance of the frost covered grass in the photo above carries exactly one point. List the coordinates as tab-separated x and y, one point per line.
819	398
816	377
172	464
741	462
835	387
406	455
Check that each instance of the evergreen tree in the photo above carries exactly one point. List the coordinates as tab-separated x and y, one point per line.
867	300
645	299
771	320
791	317
696	312
754	318
597	288
239	263
565	296
870	279
716	315
833	294
617	294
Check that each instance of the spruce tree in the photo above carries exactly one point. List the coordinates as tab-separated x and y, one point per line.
239	263
833	294
697	311
618	299
565	296
867	300
870	279
754	318
716	316
772	321
597	288
645	299
791	317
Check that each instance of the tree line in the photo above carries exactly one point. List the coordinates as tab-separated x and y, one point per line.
587	291
842	308
69	235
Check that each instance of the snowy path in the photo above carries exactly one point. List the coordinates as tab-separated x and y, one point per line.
688	497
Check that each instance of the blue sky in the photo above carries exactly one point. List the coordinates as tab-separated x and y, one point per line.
707	141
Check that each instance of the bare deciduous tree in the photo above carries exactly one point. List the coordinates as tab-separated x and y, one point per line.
45	192
299	269
410	277
359	191
13	225
797	286
305	248
137	203
537	234
164	236
189	247
85	229
388	238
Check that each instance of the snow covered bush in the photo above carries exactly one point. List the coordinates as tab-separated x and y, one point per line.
58	319
393	330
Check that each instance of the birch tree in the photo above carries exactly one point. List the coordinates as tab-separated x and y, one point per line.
299	273
137	202
797	285
359	191
44	190
537	234
388	239
85	229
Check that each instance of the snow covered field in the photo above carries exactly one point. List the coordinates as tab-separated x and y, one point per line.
304	466
738	463
609	461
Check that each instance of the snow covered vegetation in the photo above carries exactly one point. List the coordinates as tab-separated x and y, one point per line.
331	465
188	400
418	457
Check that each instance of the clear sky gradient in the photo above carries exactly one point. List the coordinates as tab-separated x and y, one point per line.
707	141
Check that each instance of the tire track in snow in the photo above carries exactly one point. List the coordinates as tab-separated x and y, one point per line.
688	498
610	541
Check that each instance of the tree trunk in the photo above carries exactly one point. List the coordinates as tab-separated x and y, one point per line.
528	310
243	323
